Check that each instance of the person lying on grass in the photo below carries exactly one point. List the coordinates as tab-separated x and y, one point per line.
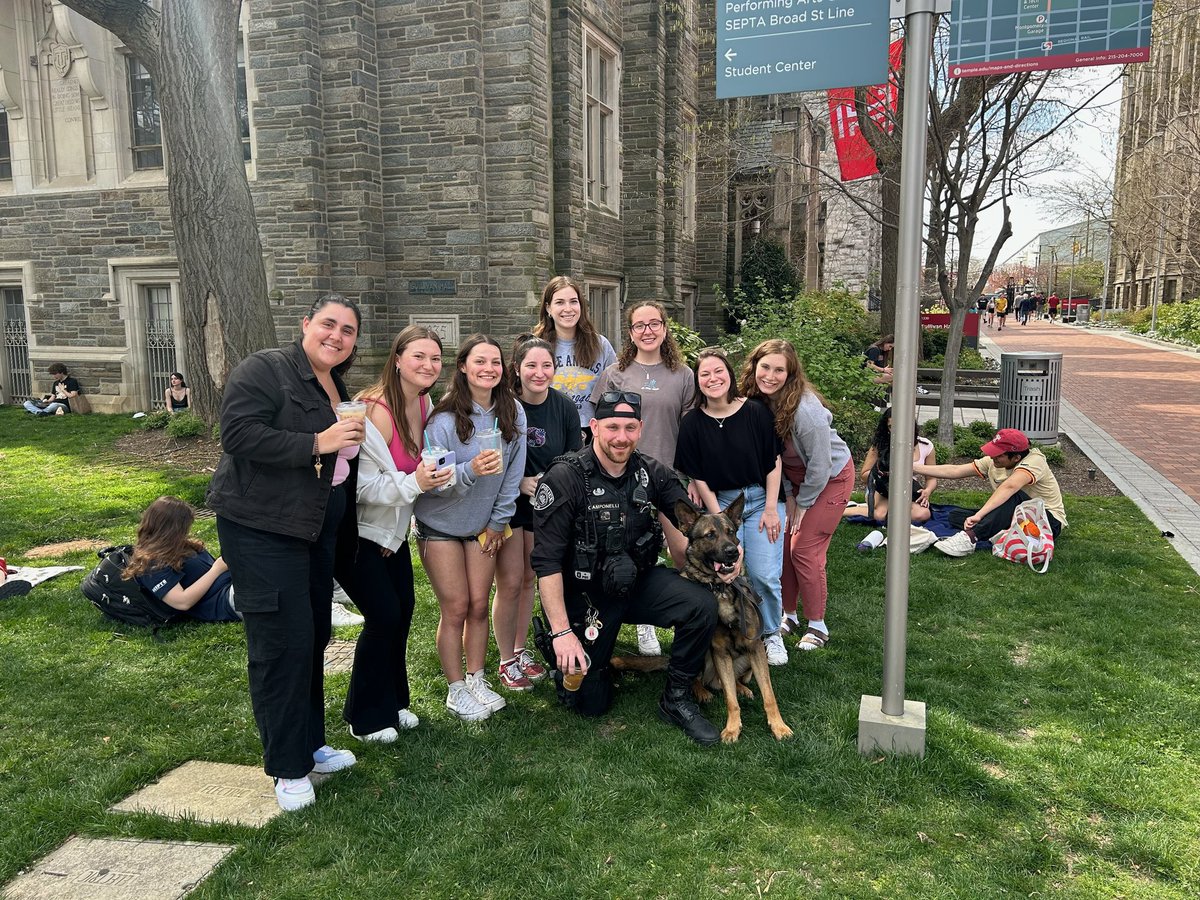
173	566
1016	473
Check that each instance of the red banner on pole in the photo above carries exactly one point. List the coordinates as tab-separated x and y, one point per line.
856	159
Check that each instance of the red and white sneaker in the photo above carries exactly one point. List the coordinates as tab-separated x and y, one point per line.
512	678
530	667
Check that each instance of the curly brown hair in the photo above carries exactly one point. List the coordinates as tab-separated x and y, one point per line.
389	385
783	402
587	338
457	399
162	537
671	356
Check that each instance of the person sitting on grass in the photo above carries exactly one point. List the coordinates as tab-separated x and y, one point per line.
58	401
876	470
172	565
1016	473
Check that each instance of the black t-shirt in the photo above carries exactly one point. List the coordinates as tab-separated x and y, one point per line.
214	606
556	506
70	385
737	452
551	429
876	355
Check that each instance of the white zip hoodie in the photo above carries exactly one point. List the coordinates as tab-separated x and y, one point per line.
385	494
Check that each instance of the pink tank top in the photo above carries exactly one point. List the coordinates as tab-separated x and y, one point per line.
404	462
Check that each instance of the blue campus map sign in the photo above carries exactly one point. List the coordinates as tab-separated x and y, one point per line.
780	46
995	37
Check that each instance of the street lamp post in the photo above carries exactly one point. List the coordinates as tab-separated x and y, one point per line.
1162	264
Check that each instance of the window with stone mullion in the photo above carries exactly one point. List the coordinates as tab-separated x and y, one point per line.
600	88
145	118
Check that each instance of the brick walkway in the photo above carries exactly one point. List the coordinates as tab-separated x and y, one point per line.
1146	398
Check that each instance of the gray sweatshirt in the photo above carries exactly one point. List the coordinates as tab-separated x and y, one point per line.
824	452
473	503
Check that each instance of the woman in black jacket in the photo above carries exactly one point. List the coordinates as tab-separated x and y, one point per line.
284	497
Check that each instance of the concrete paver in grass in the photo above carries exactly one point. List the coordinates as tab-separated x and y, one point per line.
118	869
208	792
339	657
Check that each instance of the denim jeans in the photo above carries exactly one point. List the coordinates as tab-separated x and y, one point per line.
763	560
49	410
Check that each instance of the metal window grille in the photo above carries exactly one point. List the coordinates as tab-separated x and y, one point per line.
145	120
16	345
160	340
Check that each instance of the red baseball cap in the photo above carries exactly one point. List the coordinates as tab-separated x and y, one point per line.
1007	440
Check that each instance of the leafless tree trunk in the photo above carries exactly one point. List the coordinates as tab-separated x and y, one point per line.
190	50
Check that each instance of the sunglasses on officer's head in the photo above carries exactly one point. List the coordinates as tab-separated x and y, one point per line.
633	398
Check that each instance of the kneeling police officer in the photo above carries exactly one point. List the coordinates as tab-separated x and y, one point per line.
595	553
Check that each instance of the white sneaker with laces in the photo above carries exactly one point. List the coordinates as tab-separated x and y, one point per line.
478	685
463	704
777	654
294	793
648	644
339	616
328	760
958	544
383	736
407	719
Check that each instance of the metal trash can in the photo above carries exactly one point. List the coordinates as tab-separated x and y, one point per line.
1030	390
1083	312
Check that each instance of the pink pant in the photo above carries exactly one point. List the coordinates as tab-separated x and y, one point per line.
804	562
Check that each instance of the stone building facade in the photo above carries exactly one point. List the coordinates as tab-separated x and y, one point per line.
1156	205
436	160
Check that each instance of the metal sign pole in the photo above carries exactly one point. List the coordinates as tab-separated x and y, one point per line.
889	722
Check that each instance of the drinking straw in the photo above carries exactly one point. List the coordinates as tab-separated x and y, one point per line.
428	446
496	424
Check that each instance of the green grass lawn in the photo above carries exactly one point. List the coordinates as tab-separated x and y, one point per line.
1062	741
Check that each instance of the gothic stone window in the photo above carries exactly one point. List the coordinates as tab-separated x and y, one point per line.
601	89
145	121
5	149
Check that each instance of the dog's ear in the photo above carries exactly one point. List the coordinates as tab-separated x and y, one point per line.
734	509
686	515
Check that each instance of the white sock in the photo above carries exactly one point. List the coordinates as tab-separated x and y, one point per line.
818	625
792	617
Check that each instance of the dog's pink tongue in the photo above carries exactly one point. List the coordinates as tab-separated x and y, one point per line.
717	567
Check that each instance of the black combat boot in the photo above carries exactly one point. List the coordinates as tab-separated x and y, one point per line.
678	707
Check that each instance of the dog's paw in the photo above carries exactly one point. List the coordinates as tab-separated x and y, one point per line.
730	735
744	691
781	732
703	694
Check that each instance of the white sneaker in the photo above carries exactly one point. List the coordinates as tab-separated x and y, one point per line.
648	644
482	691
407	719
340	616
383	736
294	793
777	654
958	544
328	760
463	704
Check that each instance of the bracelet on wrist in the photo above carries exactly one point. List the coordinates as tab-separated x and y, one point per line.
559	634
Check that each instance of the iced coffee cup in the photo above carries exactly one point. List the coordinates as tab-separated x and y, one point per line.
353	409
439	458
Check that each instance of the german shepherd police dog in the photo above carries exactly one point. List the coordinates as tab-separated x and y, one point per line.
737	650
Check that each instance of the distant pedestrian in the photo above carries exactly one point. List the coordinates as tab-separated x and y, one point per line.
1052	305
991	311
1001	311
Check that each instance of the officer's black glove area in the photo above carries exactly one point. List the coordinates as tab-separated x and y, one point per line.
620	572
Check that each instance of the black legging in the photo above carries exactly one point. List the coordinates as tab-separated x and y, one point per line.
382	588
999	518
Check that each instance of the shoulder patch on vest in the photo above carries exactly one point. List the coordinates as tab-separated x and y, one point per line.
543	497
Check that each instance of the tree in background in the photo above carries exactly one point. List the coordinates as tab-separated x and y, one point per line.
190	51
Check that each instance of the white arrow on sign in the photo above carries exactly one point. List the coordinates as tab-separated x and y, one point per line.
729	55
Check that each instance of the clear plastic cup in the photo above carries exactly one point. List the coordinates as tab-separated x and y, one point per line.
490	439
572	680
353	409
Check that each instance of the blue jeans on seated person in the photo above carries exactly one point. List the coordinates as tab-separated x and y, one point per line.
49	410
762	560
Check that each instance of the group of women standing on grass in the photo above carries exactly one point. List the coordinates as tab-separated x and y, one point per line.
304	492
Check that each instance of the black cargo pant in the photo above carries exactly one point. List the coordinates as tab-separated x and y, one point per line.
659	597
999	518
284	590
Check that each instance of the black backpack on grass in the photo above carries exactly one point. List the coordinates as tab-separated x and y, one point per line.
123	598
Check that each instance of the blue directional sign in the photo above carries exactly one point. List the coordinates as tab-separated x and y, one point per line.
780	46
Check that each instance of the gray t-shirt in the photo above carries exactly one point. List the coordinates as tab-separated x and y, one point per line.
666	396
